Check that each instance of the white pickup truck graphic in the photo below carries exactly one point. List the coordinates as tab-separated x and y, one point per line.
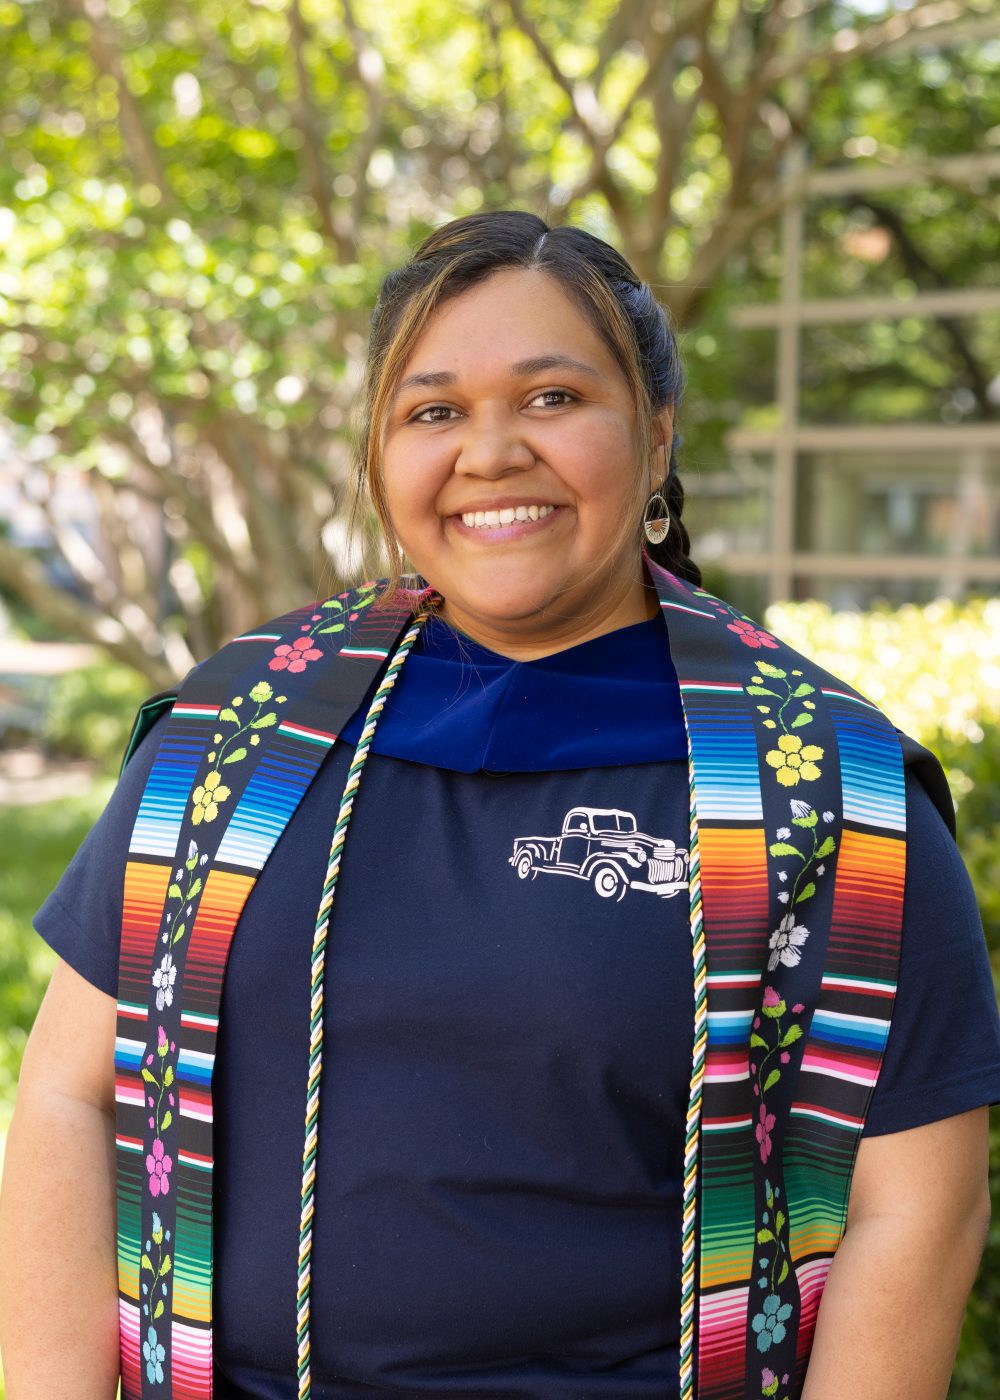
601	845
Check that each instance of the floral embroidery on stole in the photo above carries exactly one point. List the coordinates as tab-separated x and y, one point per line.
798	843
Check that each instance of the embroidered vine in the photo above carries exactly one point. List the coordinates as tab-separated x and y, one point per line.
212	792
775	1039
769	1323
156	1262
180	893
792	760
158	1075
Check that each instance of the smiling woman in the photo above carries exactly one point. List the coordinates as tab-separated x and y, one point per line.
702	1114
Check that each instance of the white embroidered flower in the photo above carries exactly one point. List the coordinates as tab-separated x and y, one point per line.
192	850
783	896
800	809
163	980
204	859
782	875
820	869
784	832
786	940
828	816
180	872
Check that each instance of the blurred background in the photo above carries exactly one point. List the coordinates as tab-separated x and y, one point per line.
198	202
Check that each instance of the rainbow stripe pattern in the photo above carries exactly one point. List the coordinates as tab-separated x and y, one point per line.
797	863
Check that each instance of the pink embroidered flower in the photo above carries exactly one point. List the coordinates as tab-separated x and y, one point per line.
798	1008
295	657
752	636
763	1132
771	997
785	1057
159	1166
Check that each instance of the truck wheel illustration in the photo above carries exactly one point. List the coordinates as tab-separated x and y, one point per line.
609	882
523	866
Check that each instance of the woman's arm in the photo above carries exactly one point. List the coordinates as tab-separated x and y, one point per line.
891	1313
58	1278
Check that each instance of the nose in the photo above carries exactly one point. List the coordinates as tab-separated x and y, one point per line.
492	447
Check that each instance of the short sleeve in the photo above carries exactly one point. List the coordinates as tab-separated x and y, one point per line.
943	1053
81	919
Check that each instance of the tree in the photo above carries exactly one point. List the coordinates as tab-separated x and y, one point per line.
199	202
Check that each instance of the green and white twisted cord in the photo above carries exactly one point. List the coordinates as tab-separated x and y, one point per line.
693	1123
318	966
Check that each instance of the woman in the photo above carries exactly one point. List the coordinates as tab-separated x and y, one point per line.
600	990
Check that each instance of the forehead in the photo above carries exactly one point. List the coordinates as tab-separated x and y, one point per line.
517	316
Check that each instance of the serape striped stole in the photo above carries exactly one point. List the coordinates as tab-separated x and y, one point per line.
797	860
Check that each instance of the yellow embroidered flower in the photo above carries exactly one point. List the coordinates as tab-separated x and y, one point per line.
793	761
207	797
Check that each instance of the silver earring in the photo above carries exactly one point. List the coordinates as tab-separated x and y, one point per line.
656	517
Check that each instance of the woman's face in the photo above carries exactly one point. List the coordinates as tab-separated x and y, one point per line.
509	462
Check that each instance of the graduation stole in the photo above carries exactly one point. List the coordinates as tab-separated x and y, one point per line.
797	863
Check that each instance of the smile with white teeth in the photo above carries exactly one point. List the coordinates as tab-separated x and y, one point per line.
487	519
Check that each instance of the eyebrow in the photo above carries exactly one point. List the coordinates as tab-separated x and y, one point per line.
439	379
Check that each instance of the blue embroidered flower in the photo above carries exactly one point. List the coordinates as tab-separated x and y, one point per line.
770	1324
154	1354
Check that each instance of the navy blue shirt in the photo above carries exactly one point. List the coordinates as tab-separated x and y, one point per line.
508	1029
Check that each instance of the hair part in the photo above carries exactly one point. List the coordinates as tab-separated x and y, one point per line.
621	308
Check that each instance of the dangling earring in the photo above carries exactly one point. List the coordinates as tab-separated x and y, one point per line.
656	517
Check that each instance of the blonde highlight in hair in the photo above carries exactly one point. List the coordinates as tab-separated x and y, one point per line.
621	308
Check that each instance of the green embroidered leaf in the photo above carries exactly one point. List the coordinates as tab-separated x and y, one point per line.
166	1266
195	889
803	689
758	1041
168	1118
147	1263
191	862
158	1310
826	848
793	1034
806	892
769	1193
775	672
158	1235
779	1221
168	1077
337	627
763	1236
264	721
334	604
229	716
149	1076
784	1272
775	1011
179	933
809	820
782	848
235	756
772	1079
760	690
174	892
801	719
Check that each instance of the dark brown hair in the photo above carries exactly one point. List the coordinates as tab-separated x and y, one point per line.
619	305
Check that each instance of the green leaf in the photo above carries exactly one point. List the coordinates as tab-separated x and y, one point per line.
806	892
158	1310
179	933
147	1263
264	721
763	1236
826	848
807	821
779	1221
168	1118
195	889
230	716
760	690
772	1079
775	672
334	604
337	627
175	892
784	1272
150	1077
804	718
803	689
793	1034
168	1077
758	1041
166	1266
235	756
782	848
775	1011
